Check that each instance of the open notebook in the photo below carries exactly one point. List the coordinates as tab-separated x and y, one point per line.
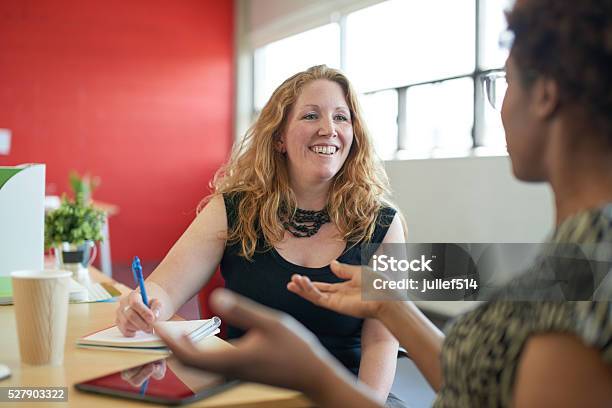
112	338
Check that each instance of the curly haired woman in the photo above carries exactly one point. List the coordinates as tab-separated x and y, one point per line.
302	188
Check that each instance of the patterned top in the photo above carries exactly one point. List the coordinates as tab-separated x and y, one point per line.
482	349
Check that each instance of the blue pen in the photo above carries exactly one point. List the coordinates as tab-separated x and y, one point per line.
143	387
137	270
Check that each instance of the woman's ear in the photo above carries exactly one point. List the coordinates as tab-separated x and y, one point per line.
545	97
279	146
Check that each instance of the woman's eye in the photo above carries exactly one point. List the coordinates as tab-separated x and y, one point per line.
340	117
310	116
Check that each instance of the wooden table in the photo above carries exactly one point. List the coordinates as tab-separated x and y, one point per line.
83	364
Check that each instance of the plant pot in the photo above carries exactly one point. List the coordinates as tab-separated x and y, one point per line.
76	259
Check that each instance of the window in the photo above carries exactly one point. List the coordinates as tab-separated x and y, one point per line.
492	56
492	25
439	118
279	60
419	66
399	42
380	111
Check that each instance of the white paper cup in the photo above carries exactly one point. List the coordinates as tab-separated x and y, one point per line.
41	311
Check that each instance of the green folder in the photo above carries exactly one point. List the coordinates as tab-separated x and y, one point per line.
76	292
6	290
7	172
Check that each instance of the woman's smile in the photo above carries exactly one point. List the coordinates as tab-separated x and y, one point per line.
324	150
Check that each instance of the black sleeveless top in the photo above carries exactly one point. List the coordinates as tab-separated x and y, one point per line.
265	278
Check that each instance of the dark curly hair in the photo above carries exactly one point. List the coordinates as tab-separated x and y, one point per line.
569	41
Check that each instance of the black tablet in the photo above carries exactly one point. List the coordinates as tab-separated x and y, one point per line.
165	381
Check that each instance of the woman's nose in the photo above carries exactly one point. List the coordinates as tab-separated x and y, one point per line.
328	128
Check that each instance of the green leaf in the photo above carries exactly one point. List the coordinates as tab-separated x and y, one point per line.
74	221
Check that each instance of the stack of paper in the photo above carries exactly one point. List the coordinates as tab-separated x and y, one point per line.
112	338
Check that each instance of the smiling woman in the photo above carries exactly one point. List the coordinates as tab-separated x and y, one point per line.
284	155
304	188
301	189
319	136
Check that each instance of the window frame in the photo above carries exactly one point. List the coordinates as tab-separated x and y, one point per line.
477	76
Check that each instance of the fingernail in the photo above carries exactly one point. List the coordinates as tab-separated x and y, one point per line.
335	262
156	313
222	300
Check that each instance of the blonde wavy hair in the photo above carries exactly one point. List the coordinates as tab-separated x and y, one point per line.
258	172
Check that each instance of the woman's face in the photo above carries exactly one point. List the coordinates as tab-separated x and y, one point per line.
319	132
525	131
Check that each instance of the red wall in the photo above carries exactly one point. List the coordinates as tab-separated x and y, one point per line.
137	92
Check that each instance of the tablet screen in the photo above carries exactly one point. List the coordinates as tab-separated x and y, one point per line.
166	381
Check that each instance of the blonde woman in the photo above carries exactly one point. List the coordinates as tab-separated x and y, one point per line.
302	188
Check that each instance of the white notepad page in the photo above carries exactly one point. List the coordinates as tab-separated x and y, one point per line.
114	338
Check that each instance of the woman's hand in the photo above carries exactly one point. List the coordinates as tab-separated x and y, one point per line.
134	315
138	375
345	297
276	350
404	320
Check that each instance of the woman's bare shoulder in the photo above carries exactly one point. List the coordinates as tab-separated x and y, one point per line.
559	369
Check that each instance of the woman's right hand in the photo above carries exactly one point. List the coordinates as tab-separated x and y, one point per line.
138	375
134	315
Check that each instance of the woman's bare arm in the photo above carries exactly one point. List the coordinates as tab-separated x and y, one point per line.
185	269
418	335
378	357
193	259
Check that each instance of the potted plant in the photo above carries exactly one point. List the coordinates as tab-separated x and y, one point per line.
71	231
83	185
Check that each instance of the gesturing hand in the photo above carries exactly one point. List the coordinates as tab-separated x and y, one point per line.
344	297
276	350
